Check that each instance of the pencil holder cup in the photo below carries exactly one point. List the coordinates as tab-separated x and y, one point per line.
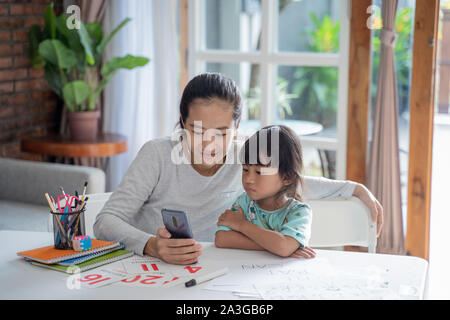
66	226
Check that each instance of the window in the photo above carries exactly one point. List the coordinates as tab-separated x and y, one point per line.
290	60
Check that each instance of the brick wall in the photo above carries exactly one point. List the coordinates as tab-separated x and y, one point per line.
27	106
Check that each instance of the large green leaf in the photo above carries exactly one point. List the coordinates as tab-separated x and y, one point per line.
53	77
95	31
87	43
57	53
110	67
50	22
35	36
127	62
101	47
75	93
70	36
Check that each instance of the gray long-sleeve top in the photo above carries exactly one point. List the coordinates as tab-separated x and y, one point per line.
156	179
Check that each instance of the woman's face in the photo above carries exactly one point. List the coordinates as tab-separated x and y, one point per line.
211	129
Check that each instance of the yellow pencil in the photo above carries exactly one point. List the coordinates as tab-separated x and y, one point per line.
50	202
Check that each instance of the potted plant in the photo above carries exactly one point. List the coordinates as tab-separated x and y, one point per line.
72	59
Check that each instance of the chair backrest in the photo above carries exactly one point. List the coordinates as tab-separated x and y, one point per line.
334	223
342	222
93	207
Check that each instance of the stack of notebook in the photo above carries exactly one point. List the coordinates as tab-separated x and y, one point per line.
71	261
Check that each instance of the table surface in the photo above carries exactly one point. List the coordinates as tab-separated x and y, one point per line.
21	280
106	144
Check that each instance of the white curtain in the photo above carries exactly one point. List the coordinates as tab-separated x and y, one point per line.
141	103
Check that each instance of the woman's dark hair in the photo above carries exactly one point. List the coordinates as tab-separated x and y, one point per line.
209	86
277	147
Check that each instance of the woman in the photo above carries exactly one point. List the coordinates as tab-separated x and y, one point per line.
196	171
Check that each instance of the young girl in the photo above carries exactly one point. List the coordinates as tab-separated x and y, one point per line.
270	214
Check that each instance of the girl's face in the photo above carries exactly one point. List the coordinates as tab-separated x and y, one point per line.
261	182
211	129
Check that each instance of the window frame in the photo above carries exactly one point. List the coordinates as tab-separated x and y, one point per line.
269	58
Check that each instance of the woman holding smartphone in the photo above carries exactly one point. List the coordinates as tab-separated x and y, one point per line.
196	171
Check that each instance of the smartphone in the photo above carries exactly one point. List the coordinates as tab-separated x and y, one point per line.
177	223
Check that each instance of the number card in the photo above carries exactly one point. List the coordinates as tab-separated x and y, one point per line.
99	278
187	271
150	281
172	281
143	280
145	265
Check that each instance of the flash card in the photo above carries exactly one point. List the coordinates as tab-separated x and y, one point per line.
99	278
186	271
145	265
145	280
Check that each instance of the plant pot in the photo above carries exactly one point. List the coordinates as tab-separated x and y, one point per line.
83	126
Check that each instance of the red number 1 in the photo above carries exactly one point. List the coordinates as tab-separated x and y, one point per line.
145	267
155	267
167	281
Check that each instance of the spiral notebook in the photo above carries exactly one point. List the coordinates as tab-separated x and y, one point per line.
74	261
90	264
50	255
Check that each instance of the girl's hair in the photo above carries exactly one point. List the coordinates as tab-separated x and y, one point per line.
277	147
209	86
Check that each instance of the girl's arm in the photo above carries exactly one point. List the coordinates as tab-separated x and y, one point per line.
235	240
272	241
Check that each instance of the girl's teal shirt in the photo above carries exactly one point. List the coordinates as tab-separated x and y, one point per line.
293	220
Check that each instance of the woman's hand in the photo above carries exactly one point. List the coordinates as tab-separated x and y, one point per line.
232	219
305	252
376	210
174	251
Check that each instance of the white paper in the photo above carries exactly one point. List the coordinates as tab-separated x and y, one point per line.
242	276
306	279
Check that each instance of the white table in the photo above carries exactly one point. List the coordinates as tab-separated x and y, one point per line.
20	280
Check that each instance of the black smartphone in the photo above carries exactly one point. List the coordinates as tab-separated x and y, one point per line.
177	223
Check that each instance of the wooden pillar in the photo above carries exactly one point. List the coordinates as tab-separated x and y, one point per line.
358	91
421	127
184	31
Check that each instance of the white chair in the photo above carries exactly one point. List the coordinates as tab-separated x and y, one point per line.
93	207
342	222
335	222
